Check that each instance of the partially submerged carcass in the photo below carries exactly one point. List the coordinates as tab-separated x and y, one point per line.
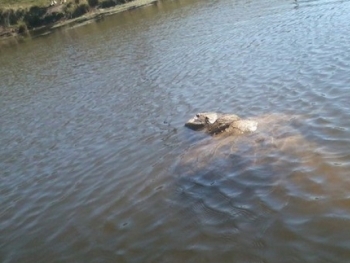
221	124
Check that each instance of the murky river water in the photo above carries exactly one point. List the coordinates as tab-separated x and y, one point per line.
96	165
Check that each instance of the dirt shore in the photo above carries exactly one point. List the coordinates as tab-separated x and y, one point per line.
104	12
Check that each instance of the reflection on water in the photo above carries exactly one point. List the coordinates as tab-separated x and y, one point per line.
96	165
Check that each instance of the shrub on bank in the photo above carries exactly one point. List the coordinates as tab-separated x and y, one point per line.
37	16
110	3
22	28
52	17
72	11
93	3
11	17
21	20
80	10
33	17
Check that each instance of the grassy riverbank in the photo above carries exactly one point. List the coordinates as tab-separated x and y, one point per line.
23	3
21	16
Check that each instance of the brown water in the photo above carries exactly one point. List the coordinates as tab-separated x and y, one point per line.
96	165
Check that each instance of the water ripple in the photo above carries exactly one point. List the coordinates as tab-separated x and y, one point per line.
96	165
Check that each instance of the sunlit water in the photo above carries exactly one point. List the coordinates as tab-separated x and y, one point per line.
96	165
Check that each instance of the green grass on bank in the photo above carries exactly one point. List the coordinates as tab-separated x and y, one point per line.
23	4
15	4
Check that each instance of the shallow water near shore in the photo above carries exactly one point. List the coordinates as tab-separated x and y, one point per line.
96	165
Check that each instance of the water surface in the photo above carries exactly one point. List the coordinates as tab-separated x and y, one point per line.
96	165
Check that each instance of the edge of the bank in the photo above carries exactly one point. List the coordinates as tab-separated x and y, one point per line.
10	33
